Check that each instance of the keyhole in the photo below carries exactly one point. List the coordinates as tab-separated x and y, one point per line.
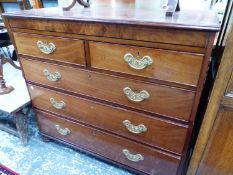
138	54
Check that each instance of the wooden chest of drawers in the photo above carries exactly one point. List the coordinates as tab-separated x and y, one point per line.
123	86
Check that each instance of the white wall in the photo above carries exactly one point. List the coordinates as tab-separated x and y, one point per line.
195	4
185	4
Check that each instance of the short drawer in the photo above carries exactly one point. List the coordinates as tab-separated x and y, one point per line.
49	47
172	66
142	128
120	150
154	98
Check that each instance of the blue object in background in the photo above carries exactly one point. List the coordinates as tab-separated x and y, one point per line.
49	3
10	6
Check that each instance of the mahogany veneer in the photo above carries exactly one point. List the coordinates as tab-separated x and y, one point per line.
170	66
109	146
110	118
136	33
67	50
173	102
80	72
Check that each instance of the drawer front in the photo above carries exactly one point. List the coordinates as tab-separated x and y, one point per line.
138	33
53	48
121	150
158	64
142	128
149	97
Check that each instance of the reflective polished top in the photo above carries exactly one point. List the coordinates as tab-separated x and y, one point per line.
134	12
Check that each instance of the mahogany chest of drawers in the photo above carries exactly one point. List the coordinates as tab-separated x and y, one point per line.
122	84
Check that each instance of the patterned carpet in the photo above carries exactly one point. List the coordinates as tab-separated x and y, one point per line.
40	158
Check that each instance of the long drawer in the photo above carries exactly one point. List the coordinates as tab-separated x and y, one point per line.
49	47
178	67
137	33
142	128
125	152
164	100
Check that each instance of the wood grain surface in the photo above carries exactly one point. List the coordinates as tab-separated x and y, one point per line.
218	156
164	100
67	50
167	65
157	45
160	133
214	106
155	162
137	33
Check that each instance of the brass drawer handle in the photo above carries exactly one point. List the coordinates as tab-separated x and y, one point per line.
61	131
137	63
57	105
56	76
46	48
136	97
134	129
132	157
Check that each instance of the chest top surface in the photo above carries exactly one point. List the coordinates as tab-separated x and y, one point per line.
127	12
